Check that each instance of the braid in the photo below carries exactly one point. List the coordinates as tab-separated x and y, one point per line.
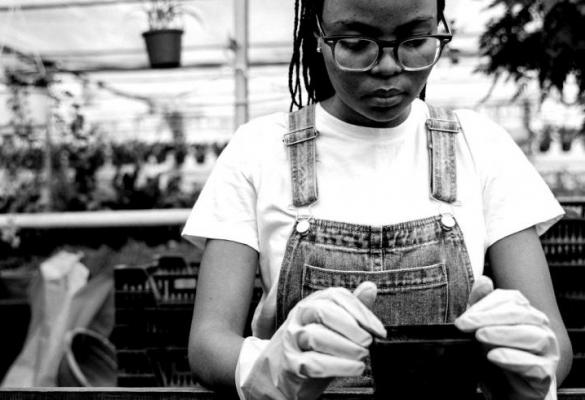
440	10
293	68
306	63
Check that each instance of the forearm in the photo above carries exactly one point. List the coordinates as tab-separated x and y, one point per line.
518	262
213	356
224	290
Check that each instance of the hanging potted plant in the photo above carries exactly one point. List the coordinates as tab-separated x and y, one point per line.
164	36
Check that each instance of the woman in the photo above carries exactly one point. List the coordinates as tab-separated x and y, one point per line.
369	199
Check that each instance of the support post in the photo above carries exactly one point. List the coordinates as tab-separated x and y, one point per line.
241	61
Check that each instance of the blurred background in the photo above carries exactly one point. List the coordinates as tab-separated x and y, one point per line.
113	112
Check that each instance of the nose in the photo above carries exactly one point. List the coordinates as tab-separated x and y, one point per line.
387	63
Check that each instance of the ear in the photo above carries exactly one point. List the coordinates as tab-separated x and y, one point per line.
423	93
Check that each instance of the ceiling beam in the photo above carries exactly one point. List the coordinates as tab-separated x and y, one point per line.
66	4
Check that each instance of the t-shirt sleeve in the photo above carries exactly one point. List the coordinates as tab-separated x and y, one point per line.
515	197
226	207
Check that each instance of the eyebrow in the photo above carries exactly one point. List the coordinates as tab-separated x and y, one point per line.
416	23
366	28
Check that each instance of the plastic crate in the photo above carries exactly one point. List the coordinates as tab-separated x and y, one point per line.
168	280
154	307
135	369
564	243
168	326
172	367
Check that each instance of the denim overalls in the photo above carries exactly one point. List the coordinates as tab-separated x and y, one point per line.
421	267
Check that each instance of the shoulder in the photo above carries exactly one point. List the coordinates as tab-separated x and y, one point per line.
481	128
485	139
489	147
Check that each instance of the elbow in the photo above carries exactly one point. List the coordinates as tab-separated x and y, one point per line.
196	354
565	358
211	357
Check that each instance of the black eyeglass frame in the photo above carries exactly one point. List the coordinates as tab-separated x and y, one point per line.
332	40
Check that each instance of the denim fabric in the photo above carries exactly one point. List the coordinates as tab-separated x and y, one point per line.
421	267
442	126
302	153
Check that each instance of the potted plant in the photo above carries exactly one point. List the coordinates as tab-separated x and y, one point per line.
164	36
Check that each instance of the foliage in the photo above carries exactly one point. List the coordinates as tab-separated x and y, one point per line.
164	14
529	39
17	103
93	175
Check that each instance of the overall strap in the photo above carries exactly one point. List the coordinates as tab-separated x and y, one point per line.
302	152
442	126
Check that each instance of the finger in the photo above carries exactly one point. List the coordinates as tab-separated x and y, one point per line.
481	288
318	365
363	315
349	302
535	339
522	363
366	293
504	314
316	337
499	297
526	389
334	317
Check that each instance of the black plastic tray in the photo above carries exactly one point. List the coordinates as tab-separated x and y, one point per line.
426	362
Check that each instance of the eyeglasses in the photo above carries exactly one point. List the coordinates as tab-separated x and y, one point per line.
361	53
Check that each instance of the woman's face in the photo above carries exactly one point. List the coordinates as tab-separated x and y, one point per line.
382	96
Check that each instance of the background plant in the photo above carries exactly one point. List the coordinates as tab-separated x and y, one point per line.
537	39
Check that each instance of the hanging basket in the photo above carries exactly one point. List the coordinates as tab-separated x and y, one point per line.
164	47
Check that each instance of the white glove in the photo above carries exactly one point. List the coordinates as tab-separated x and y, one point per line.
518	338
325	335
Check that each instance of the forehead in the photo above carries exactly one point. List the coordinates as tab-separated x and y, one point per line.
383	14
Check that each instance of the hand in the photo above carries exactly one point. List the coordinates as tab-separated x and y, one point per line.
325	335
518	338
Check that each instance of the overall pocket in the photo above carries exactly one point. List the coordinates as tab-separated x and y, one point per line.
406	296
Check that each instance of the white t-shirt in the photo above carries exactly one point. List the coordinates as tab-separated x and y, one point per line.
372	176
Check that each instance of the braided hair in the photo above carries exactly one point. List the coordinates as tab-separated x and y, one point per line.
307	67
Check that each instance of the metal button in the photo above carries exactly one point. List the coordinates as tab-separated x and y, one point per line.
447	221
303	226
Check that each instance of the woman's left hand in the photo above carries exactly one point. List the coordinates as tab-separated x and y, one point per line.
518	338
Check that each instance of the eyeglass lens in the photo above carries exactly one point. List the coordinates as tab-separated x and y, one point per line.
360	53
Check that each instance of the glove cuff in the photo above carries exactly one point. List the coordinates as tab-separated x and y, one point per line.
251	349
552	391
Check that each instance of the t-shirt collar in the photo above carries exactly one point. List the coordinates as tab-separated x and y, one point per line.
329	125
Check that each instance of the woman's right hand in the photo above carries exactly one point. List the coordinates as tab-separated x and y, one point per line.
325	335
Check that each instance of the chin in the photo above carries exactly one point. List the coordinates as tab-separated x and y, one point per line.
386	116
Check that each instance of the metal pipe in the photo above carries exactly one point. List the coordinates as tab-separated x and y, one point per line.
95	219
241	61
66	4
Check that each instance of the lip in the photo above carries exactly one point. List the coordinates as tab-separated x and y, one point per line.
386	93
386	97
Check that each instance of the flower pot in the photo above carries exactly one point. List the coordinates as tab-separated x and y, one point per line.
89	360
164	47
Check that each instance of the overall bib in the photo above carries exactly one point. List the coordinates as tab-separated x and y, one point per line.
421	267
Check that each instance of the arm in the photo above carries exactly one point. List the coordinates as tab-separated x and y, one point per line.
224	291
518	262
